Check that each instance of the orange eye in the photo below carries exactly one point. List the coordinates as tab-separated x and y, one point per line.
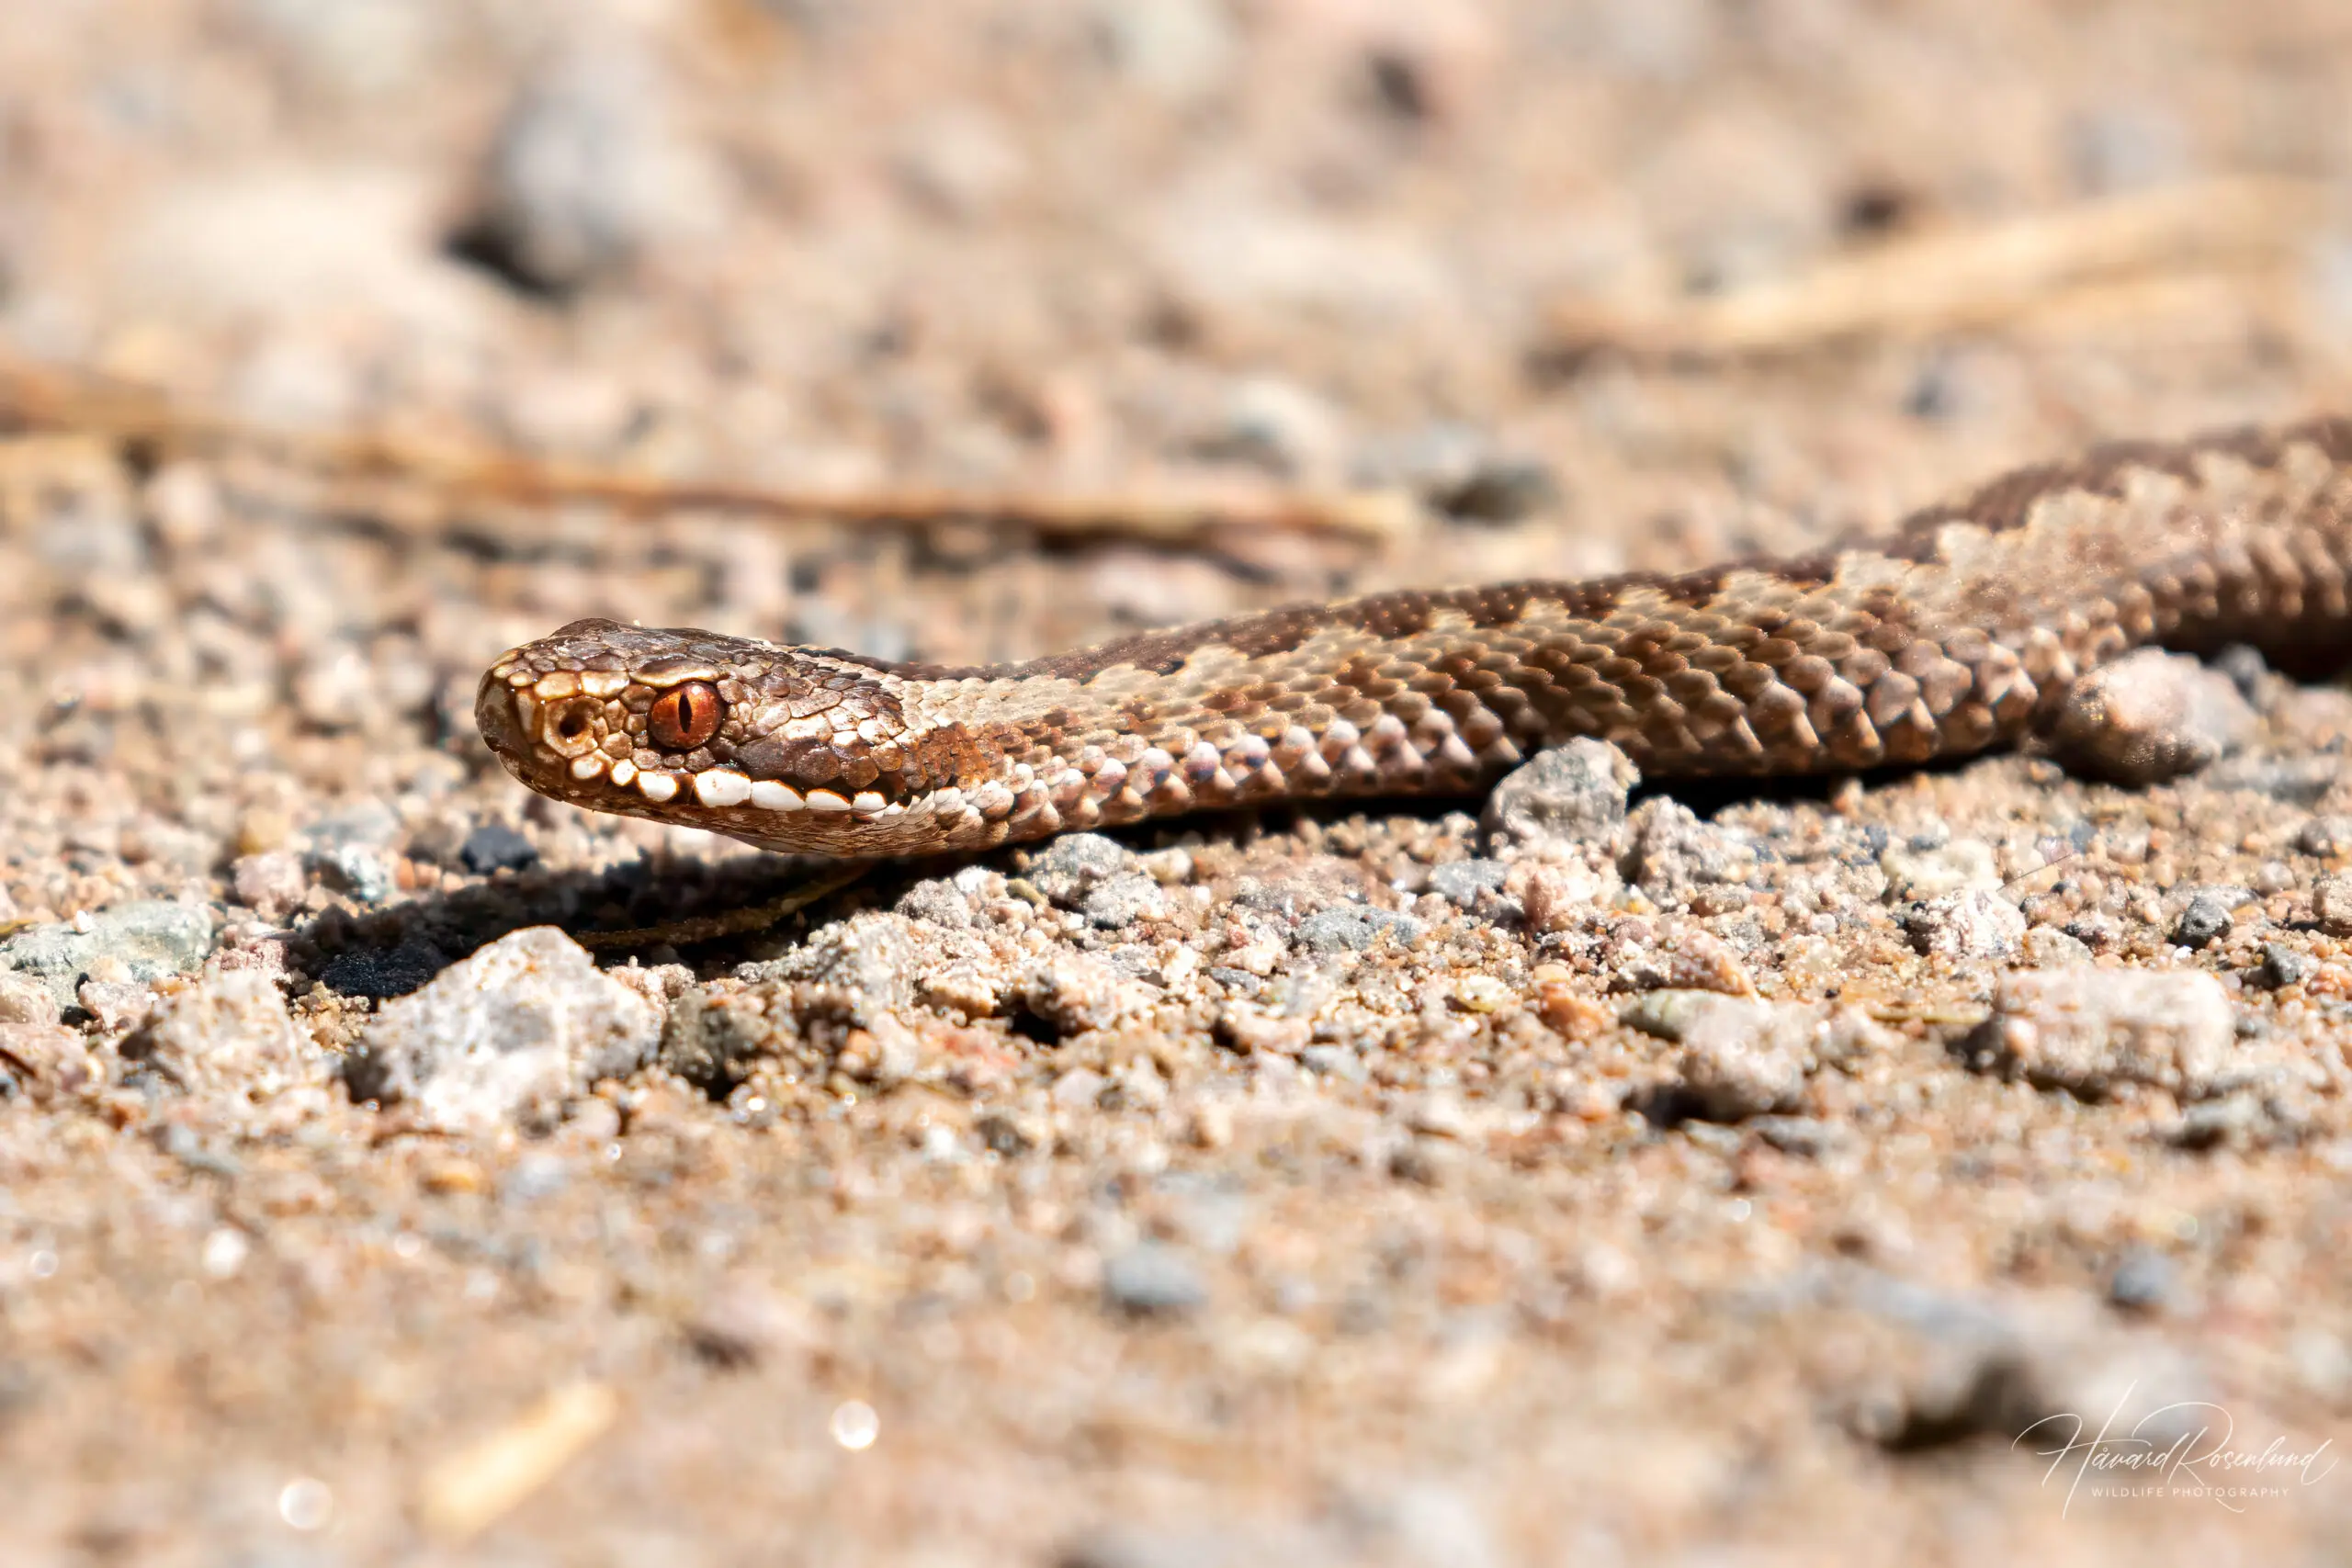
685	716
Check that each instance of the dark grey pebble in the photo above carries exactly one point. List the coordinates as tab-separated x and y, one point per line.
2282	965
2205	921
493	846
1353	928
1460	882
2144	1280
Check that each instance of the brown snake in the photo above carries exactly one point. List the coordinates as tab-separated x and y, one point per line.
1960	631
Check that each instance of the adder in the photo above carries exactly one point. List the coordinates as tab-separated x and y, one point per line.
1960	630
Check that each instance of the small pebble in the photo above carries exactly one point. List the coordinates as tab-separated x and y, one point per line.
1809	1137
2144	1281
357	869
1353	927
56	1060
493	846
744	1323
2325	837
1175	49
937	902
1460	882
2096	929
24	1000
2294	780
1333	1061
2246	669
2332	905
1674	856
1742	1057
1075	865
2046	947
271	884
1124	899
1742	1061
368	823
1277	425
1501	489
1250	1029
262	829
507	1032
1239	980
151	939
114	1004
1073	992
2088	1030
1481	993
1153	1280
1917	872
586	176
2233	1122
534	1177
2205	921
2283	966
229	1035
1561	799
1976	924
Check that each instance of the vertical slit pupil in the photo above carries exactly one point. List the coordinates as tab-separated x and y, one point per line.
685	716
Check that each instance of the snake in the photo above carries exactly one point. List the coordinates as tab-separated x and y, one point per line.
1960	630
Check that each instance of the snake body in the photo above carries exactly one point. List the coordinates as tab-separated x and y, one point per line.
1960	631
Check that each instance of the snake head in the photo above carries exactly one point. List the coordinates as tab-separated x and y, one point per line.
799	750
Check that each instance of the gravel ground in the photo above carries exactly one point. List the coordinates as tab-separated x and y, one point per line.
1596	1173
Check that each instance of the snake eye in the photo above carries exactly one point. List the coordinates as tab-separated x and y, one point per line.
685	716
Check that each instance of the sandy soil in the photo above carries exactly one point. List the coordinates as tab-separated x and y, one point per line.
1723	1175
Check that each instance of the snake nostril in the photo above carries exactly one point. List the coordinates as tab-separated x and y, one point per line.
571	728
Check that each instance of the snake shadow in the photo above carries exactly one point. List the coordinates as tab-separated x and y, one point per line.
392	951
387	952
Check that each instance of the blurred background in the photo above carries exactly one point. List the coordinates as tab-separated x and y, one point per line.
1587	286
346	342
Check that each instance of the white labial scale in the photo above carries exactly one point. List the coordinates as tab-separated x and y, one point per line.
770	796
721	787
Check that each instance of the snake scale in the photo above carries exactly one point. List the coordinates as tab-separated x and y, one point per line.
1960	631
